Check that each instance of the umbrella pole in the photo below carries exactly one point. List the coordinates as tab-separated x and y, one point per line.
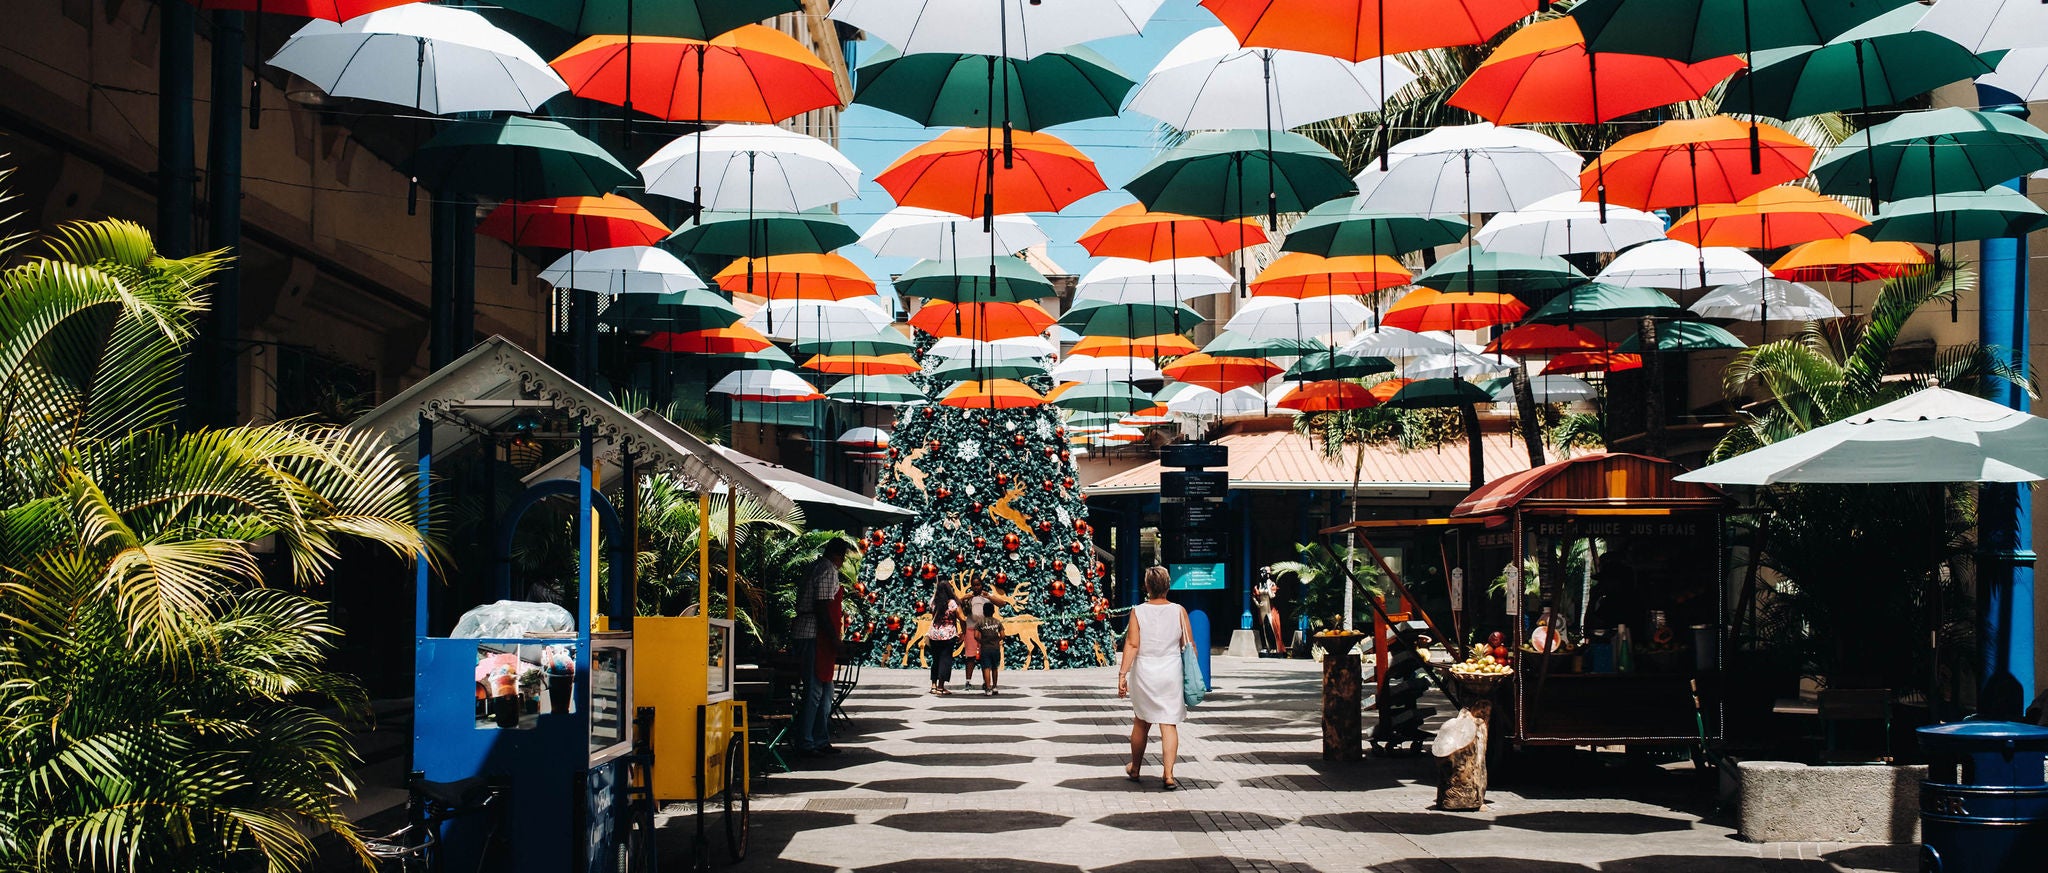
1003	22
1273	184
626	106
255	31
419	83
1599	160
1386	142
697	191
1756	150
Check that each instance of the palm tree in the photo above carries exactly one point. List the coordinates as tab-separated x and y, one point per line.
159	705
671	529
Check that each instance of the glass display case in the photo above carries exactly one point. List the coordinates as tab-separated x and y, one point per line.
611	695
718	681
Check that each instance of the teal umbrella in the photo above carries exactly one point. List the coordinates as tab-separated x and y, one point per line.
1323	364
1599	301
1877	63
738	234
884	342
1131	320
770	358
1957	216
695	309
991	366
1437	393
1232	344
1102	397
1340	228
692	19
1469	269
1696	30
945	89
1684	336
1936	151
516	158
1226	175
876	390
967	280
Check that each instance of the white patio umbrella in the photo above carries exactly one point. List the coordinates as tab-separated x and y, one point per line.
1562	224
1016	28
622	270
2023	73
864	438
1108	368
766	386
431	58
1936	435
1127	280
1551	389
1458	364
917	232
1262	318
758	167
1011	347
1761	299
1465	169
1985	25
1210	82
1394	342
1200	402
827	320
1668	263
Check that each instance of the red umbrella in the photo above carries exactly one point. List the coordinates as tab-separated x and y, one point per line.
969	171
1129	231
1693	161
1331	395
982	321
738	339
331	10
1359	29
753	74
1543	73
581	223
1592	362
1429	309
1536	339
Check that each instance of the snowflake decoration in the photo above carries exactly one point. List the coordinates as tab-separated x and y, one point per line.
922	536
1064	517
1010	425
1043	429
969	450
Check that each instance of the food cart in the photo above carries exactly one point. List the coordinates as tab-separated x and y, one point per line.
1604	578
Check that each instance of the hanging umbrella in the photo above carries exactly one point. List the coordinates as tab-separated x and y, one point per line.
1693	161
1669	263
1220	374
1695	30
1302	275
1231	344
1591	362
1202	402
1759	299
864	438
432	58
1106	368
1565	225
1546	389
1010	28
1543	339
954	89
750	74
1102	396
1430	309
740	234
1325	364
992	394
864	365
1001	279
1029	345
1853	258
1935	151
820	319
1210	82
1957	216
975	367
1880	62
1328	396
1473	270
753	167
330	10
1165	345
694	19
515	159
770	358
1268	317
693	309
983	321
2023	73
1130	231
1684	336
1394	342
1934	435
1600	301
1769	219
880	343
1437	393
1125	280
573	223
799	276
1472	168
967	171
915	232
623	270
1451	365
766	386
734	340
1129	319
876	391
1360	29
1232	174
1543	73
1984	25
1343	228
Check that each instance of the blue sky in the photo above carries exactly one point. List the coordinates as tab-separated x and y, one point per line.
1119	146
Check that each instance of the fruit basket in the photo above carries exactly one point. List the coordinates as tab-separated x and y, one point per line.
1338	642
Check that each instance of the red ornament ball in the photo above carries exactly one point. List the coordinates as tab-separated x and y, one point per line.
929	412
1074	548
1017	441
1010	542
1030	563
976	506
1063	645
1002	478
897	548
980	542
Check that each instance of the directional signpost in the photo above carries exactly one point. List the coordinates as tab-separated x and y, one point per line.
1194	526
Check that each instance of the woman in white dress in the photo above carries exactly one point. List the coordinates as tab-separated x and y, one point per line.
1149	672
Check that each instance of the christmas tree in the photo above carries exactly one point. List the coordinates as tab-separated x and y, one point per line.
996	500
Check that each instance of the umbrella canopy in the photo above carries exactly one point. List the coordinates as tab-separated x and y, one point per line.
1271	317
1565	225
1210	82
1001	279
1325	364
1126	280
1229	344
1473	270
1693	161
1758	299
1451	365
1394	342
1012	28
735	340
2023	73
1202	402
1129	319
1957	216
1437	393
432	58
1165	345
1591	362
880	343
1769	219
573	223
753	74
1543	339
801	276
876	391
958	89
1935	435
1028	345
1430	309
770	358
1106	368
1344	227
1301	275
852	318
623	270
695	19
1130	231
916	232
1543	73
1229	174
983	321
1469	168
1099	397
1546	389
516	159
693	309
1356	30
1935	151
1877	63
864	365
1695	30
988	366
753	167
766	386
1684	336
992	394
1669	263
1035	172
1853	258
864	438
331	10
1220	373
1983	25
1600	301
740	234
1329	396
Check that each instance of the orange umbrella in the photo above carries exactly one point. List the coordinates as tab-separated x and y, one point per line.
1547	339
1385	391
982	321
863	365
1772	218
1129	231
585	223
738	339
1165	345
992	394
1853	258
1039	173
1330	395
1302	275
1691	162
1221	372
1359	29
755	73
1591	362
1543	73
1430	309
803	276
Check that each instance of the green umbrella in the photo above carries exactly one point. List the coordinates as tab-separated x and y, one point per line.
1684	336
966	280
770	358
1129	319
1472	270
888	390
1696	30
516	158
732	234
1340	228
695	309
1236	345
943	89
1877	63
1937	151
692	19
991	366
1103	397
884	342
1325	364
1226	175
1437	393
1957	216
1599	301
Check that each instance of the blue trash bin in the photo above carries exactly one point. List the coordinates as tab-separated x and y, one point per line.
1984	806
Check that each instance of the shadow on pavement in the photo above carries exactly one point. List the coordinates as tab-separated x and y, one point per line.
767	839
972	821
962	759
1587	822
1189	821
1423	823
940	785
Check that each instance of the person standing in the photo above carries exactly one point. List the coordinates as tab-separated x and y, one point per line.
816	604
942	636
986	623
1149	673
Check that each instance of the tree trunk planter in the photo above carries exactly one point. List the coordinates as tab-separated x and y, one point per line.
1460	745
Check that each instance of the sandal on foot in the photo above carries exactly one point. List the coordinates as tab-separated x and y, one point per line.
1131	771
1170	785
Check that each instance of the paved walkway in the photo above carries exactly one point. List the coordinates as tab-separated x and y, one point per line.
1029	781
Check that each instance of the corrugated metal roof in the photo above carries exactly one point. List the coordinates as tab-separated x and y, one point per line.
1286	461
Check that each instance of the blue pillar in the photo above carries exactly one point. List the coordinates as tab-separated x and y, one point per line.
1241	505
1131	567
2005	522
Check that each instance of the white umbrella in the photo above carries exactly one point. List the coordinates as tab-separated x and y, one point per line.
1210	82
766	386
622	270
432	58
1562	224
757	167
1668	263
1936	435
950	347
1759	299
865	437
2023	73
1985	25
1201	402
827	320
1460	364
1017	28
1263	318
1127	280
1109	368
1394	342
917	232
1472	168
1551	389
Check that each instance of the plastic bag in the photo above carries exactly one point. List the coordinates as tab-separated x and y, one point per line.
511	619
1457	733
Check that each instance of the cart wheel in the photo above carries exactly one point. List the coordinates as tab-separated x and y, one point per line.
739	812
